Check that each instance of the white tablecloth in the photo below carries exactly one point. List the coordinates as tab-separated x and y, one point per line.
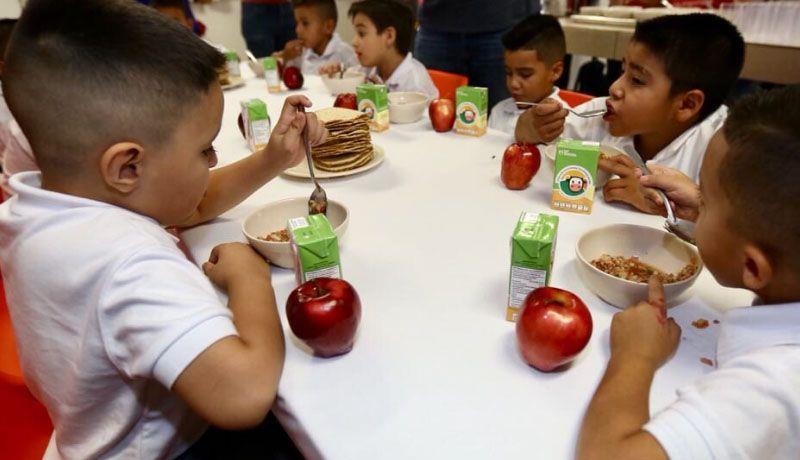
435	372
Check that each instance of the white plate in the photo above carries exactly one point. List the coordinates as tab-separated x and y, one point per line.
235	82
603	20
301	170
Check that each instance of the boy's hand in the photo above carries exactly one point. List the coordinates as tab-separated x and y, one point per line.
541	123
643	332
292	49
330	69
626	188
683	193
286	147
231	262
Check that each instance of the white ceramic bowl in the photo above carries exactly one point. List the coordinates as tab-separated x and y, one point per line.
347	84
274	216
407	107
621	11
602	176
653	246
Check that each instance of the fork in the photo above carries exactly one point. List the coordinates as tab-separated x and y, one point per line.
586	114
318	202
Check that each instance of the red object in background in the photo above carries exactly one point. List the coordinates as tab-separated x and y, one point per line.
346	101
520	164
324	313
553	327
447	83
292	77
572	98
443	114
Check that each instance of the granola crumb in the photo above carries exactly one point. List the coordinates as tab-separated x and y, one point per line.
701	323
707	362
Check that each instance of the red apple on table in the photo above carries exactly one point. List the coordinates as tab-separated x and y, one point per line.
292	77
324	313
346	101
553	327
520	164
443	114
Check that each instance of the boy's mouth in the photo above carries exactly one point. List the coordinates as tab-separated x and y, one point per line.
610	112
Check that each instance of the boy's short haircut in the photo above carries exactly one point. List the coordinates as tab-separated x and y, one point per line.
760	172
325	8
699	51
81	75
541	33
6	27
169	4
388	13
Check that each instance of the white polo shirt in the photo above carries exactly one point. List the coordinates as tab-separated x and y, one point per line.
685	153
107	313
410	75
749	407
337	50
505	113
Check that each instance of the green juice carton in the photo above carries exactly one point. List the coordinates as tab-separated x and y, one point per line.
256	123
472	110
575	176
232	64
270	65
533	247
373	100
315	248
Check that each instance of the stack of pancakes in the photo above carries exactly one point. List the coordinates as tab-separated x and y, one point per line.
349	144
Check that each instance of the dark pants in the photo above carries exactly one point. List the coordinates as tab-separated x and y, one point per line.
478	56
266	28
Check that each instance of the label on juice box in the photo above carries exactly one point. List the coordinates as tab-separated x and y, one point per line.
575	176
533	247
256	123
232	63
472	110
271	74
373	100
315	248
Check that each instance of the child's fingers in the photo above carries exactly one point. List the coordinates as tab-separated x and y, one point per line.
655	293
208	267
617	194
674	330
614	167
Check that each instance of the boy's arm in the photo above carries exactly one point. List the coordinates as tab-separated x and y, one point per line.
642	339
683	193
541	123
627	188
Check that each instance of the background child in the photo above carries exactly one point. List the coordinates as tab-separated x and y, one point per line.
317	42
534	61
174	9
749	407
666	105
123	339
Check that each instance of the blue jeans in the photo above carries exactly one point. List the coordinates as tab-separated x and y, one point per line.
478	56
266	28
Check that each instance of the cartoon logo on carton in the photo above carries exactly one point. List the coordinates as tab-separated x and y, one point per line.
368	107
573	181
467	112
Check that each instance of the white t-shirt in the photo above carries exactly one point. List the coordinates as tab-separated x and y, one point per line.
107	313
337	50
410	75
685	153
16	154
749	407
505	113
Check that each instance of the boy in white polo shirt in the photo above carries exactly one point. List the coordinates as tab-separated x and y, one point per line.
747	234
666	105
124	340
534	60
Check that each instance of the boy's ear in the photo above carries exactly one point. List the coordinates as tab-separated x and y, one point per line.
690	104
390	34
556	71
121	166
758	270
330	26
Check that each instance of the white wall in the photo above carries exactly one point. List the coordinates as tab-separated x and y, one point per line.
10	8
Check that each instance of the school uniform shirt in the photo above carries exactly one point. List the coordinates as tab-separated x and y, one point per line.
505	113
337	50
685	153
410	75
15	151
749	407
107	313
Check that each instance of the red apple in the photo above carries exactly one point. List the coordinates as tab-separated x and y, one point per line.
553	327
443	114
346	101
292	77
520	164
324	313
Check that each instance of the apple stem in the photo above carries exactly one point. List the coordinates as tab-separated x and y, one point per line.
318	290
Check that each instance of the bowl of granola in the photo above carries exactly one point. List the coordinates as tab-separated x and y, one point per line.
265	228
616	262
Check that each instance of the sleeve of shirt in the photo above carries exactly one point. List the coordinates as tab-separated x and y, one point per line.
158	313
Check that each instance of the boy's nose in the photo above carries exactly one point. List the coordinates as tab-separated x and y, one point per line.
615	90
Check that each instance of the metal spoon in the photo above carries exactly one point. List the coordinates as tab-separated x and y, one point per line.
586	114
318	202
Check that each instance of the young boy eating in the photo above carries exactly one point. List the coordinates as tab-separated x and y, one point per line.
317	42
666	105
534	59
384	33
124	340
747	235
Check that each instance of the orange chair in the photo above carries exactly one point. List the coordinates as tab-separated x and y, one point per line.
447	83
572	98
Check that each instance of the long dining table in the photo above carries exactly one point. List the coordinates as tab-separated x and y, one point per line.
435	371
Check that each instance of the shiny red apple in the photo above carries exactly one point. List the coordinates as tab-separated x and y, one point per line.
292	77
346	101
443	114
324	313
520	164
553	327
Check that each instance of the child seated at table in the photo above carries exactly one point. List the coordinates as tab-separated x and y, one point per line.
747	234
384	34
534	60
317	42
666	105
123	339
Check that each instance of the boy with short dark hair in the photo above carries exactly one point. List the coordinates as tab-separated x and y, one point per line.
317	42
666	105
122	338
534	61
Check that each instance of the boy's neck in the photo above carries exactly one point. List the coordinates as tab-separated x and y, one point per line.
650	144
389	64
320	49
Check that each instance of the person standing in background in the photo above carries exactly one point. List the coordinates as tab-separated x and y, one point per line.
464	37
267	25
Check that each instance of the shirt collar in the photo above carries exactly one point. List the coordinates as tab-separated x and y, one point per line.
393	81
750	328
689	136
330	48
